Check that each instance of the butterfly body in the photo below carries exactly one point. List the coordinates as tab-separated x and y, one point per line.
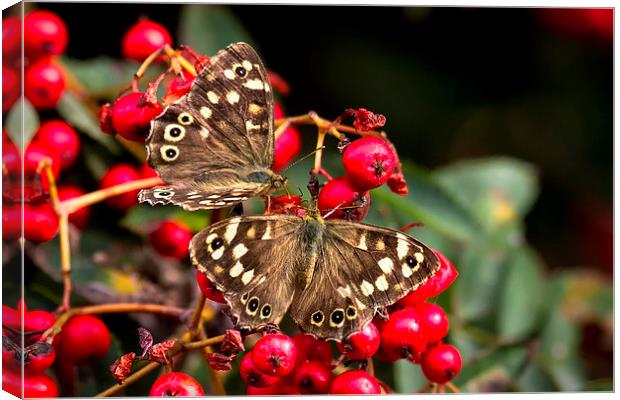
332	276
214	147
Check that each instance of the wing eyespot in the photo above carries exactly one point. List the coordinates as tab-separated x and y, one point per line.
317	318
244	298
169	152
252	306
174	132
185	118
265	311
351	312
336	319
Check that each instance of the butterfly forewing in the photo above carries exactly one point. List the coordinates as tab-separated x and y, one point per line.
220	135
251	260
360	268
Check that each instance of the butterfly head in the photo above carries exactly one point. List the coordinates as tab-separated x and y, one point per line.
278	181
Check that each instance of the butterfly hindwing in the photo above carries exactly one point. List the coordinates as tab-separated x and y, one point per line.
360	269
220	135
251	261
191	199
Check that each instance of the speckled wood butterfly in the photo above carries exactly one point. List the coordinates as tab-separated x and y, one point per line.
214	147
331	275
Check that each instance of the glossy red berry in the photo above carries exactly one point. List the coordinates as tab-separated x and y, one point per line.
264	391
254	377
175	384
363	344
38	320
83	338
368	162
62	138
313	377
40	222
402	335
11	40
442	279
81	217
131	115
441	363
121	173
40	356
11	87
208	288
287	147
44	83
274	354
37	152
178	87
355	382
434	322
34	386
287	204
351	203
11	221
45	33
171	239
147	172
310	348
143	38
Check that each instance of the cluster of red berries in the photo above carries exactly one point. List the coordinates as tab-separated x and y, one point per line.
83	338
45	37
413	329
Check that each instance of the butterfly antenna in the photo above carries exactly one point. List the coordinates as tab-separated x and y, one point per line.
303	158
334	210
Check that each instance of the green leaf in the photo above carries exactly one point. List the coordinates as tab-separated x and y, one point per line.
71	109
430	204
477	288
496	190
103	76
521	295
408	377
22	133
209	28
494	372
535	379
142	218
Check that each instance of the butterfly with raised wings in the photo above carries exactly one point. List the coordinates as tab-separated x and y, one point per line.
214	147
332	276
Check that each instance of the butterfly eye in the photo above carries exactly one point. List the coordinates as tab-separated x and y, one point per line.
241	72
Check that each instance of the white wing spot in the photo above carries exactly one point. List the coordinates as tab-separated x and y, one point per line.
228	73
214	196
344	291
218	253
254	84
360	305
249	125
407	271
419	257
206	112
402	248
267	234
231	230
367	288
204	132
247	276
247	65
239	251
232	97
386	264
380	245
362	244
381	283
236	270
195	196
211	237
213	97
251	233
254	108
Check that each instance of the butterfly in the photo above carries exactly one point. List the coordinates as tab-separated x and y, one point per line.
214	147
332	276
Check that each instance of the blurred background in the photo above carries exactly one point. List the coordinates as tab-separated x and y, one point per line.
477	100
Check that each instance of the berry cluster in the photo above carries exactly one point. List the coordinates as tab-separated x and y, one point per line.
84	338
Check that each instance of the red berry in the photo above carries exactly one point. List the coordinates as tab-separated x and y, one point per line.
131	116
287	147
265	391
83	338
11	40
402	335
33	386
45	33
11	318
44	84
171	239
435	285
278	111
397	184
252	376
40	356
178	87
368	162
313	377
208	289
40	222
274	354
434	322
11	87
143	38
441	363
61	137
287	204
310	348
355	382
363	344
37	152
121	173
386	358
11	222
147	172
176	384
38	320
80	217
340	193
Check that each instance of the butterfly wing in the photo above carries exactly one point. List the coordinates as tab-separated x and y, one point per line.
219	135
251	260
360	268
191	199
